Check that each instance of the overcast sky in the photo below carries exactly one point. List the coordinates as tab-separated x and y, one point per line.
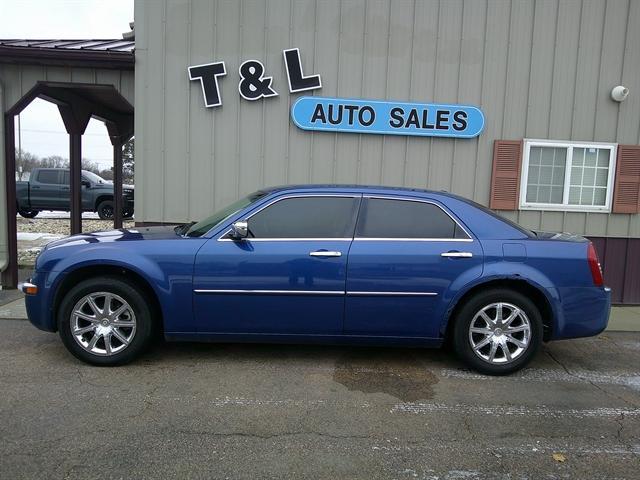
42	131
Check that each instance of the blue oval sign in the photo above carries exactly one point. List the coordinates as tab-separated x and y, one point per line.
387	118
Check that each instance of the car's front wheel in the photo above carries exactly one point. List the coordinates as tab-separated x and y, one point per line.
28	213
498	331
105	321
105	210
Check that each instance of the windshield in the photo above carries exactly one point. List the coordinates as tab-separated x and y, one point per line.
92	177
200	228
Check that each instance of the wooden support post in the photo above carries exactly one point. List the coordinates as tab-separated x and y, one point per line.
75	119
10	274
75	181
117	182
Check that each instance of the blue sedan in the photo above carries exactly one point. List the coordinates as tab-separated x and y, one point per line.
324	264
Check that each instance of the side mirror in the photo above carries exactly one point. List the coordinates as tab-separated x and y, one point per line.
85	183
239	230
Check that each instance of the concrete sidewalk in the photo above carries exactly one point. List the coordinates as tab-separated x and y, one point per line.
623	319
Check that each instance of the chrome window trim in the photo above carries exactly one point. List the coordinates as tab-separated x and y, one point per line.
346	239
386	239
286	197
421	200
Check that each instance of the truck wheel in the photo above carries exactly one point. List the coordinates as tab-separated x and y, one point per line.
498	331
127	213
105	210
105	321
28	213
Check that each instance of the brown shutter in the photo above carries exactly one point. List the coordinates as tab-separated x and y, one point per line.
626	191
505	178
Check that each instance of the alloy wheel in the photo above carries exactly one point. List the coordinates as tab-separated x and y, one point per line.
107	212
103	323
500	333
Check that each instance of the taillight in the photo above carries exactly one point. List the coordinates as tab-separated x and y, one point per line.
594	266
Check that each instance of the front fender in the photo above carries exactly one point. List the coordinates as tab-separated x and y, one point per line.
142	265
167	272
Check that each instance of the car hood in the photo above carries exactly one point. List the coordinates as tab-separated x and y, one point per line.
121	235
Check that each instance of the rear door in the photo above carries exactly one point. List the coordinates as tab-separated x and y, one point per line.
46	189
406	255
287	278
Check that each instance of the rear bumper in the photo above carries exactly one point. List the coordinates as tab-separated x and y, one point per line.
583	312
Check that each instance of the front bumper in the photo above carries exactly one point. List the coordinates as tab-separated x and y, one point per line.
127	203
40	306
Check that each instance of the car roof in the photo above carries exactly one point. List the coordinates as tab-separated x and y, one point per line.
351	188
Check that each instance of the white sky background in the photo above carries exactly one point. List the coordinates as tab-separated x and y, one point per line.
42	131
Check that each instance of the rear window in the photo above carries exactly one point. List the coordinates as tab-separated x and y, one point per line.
392	218
48	176
520	228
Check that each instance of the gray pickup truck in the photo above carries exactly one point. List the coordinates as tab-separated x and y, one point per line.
48	189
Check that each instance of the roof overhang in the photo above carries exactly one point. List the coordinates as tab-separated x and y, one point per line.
76	55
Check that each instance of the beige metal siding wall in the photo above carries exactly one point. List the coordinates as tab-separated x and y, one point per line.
17	80
538	70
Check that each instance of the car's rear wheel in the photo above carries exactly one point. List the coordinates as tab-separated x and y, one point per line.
498	331
105	321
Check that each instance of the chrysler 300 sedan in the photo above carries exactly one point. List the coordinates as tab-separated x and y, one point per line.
324	264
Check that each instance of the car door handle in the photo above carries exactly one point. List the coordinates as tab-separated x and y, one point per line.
457	254
325	253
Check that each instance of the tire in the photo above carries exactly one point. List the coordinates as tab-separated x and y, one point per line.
134	324
522	342
127	214
105	210
28	213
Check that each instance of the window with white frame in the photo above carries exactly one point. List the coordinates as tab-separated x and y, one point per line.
567	176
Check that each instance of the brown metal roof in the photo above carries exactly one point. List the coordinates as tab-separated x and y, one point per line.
98	53
117	45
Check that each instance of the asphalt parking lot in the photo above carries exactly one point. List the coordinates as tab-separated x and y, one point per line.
261	411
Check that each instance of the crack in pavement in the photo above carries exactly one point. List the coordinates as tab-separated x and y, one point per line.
590	382
269	436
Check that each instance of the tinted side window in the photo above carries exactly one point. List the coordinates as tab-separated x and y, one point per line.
383	218
48	176
306	217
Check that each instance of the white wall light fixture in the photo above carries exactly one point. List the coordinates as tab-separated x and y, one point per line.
619	93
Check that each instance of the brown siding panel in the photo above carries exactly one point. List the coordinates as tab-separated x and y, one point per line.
626	194
620	260
615	255
631	287
505	178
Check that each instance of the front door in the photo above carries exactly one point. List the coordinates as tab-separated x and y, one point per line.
405	257
66	193
287	278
